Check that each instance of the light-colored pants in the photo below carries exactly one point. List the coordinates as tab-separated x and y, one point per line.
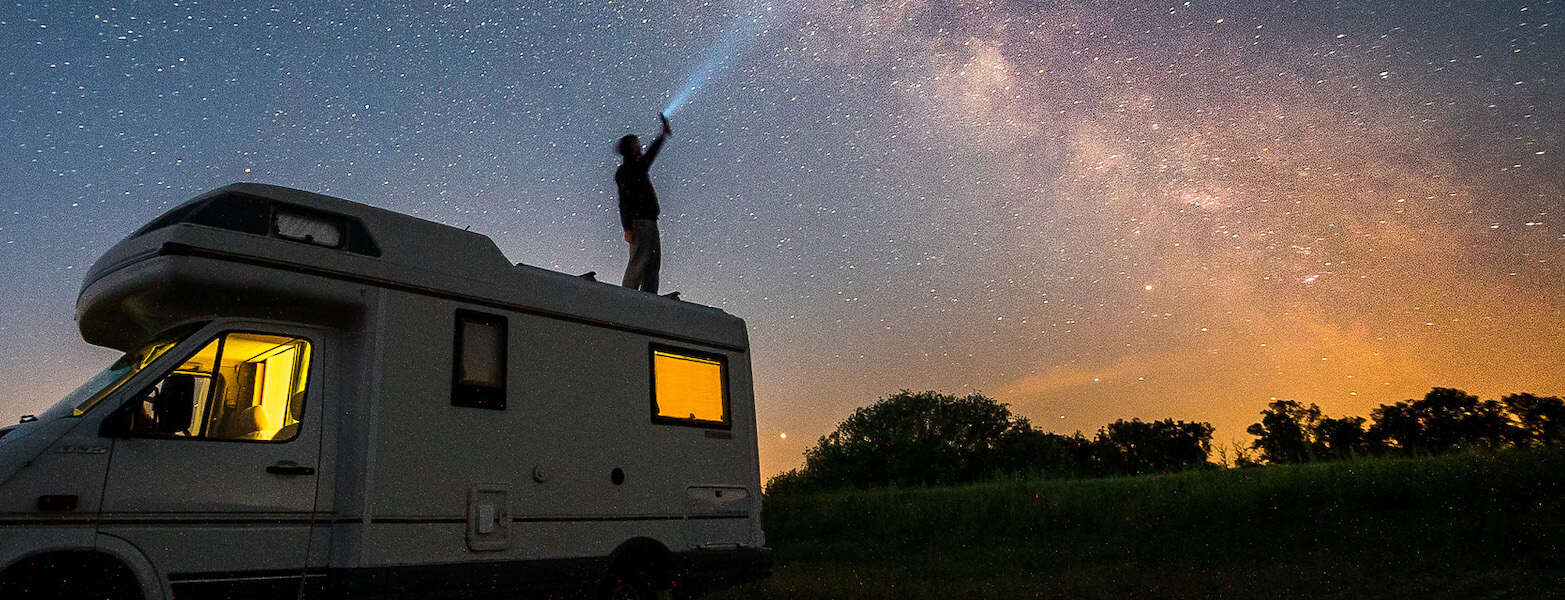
646	256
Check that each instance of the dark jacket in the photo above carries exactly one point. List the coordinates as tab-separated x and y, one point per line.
636	198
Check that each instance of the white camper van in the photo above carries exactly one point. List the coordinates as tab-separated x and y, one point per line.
321	399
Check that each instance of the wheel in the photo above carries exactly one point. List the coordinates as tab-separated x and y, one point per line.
75	576
625	590
631	584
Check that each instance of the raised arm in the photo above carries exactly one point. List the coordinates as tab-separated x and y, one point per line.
657	144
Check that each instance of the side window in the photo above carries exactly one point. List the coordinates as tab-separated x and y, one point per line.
689	387
240	386
479	361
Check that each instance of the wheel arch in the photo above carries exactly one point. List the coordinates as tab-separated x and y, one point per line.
111	552
153	587
648	556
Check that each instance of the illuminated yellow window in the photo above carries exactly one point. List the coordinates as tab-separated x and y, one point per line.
687	387
240	386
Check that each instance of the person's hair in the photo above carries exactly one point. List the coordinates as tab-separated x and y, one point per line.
628	144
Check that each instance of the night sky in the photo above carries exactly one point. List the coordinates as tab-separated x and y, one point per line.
1089	210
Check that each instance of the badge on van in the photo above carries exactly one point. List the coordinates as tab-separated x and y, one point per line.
75	449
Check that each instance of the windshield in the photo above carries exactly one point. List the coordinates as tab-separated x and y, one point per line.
88	395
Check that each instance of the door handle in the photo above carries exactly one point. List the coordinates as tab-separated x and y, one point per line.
290	468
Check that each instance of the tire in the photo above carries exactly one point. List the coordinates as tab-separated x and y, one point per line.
69	577
625	590
633	583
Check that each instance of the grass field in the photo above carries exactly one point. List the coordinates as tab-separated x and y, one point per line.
1468	526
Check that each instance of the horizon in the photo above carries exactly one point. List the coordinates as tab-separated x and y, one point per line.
1088	212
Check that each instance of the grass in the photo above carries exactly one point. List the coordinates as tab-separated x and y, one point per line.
1468	526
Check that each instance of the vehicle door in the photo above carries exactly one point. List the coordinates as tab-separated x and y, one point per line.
212	473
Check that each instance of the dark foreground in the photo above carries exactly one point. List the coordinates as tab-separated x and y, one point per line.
1469	526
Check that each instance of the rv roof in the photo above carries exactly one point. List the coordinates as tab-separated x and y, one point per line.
350	240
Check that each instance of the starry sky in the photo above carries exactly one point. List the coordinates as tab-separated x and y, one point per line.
1089	210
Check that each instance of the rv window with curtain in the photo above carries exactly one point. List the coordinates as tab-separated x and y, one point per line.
479	361
308	228
689	387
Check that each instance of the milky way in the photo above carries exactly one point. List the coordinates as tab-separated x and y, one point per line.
1090	210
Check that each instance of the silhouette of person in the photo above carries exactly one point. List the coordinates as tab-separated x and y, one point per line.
638	210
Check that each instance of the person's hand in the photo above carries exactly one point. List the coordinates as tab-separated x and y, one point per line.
666	129
627	236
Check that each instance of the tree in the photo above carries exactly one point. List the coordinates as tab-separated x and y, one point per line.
1453	418
1395	427
1136	446
1027	451
1340	438
789	482
1289	432
924	438
1443	420
1540	420
1284	434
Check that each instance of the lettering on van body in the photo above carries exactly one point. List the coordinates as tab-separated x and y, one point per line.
78	449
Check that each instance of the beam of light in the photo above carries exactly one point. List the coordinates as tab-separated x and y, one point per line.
730	47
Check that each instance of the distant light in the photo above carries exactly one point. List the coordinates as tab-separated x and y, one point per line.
783	435
1148	287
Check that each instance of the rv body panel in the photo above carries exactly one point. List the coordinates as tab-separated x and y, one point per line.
576	387
52	488
178	498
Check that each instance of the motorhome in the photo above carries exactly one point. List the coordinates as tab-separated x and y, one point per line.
323	399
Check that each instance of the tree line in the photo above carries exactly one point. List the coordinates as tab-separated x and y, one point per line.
931	438
1444	420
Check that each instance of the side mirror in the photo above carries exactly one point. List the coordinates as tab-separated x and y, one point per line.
130	418
173	406
120	423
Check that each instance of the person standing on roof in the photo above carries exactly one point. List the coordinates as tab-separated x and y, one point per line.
638	210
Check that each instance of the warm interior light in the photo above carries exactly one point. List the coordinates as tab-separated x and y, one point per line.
276	387
688	387
244	386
